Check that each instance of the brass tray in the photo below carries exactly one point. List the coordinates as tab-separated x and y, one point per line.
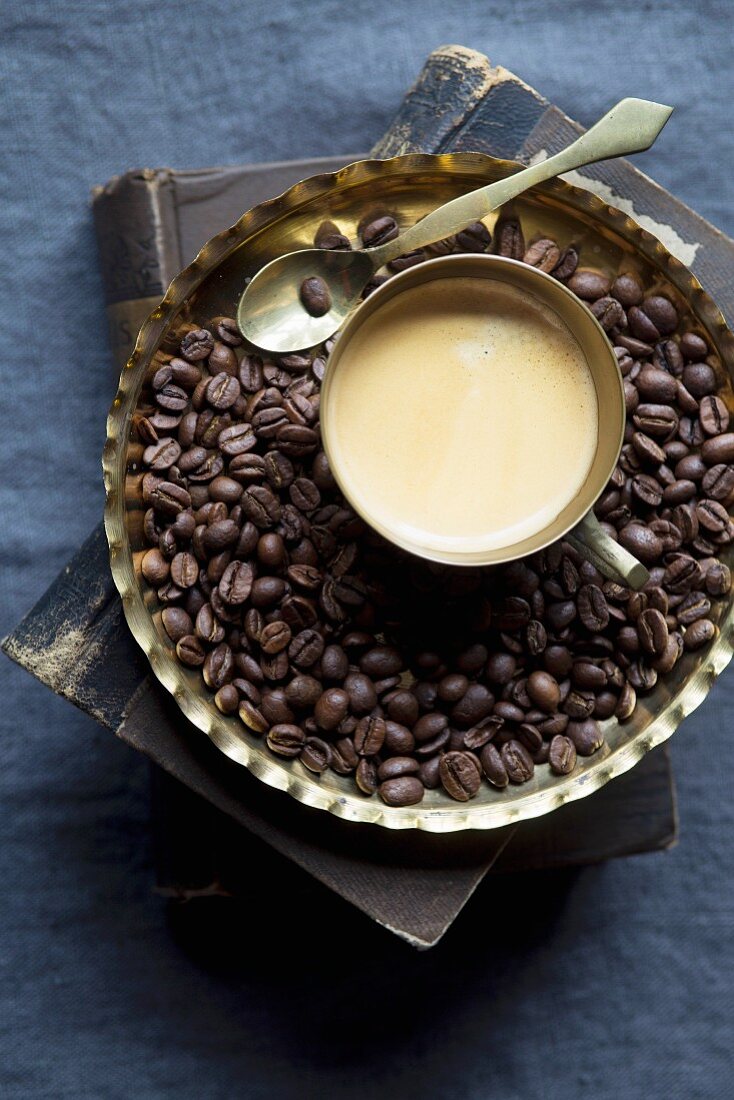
407	187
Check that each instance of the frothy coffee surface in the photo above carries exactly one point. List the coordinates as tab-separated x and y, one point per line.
464	415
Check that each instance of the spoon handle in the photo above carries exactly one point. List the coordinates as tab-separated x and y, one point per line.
630	127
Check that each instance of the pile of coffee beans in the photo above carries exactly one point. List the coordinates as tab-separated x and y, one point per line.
343	652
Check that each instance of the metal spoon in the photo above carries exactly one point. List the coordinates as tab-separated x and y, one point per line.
270	313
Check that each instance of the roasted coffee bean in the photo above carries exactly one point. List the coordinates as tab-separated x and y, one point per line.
331	708
696	605
560	615
261	506
406	790
344	759
683	574
429	725
172	398
513	614
699	634
604	705
641	676
397	766
379	231
718	482
306	648
608	312
429	773
474	238
713	415
222	390
274	666
543	690
226	330
718	449
361	692
369	735
275	637
712	516
253	718
718	579
482	733
694	347
641	541
316	756
155	568
365	776
642	326
593	609
588	676
543	254
652	630
508	239
501	668
398	739
567	264
588	284
517	761
536	637
303	691
637	348
197	344
475	704
699	379
184	570
286	739
530	736
679	492
586	736
190	651
460	776
220	535
557	660
649	451
328	235
176	623
657	421
315	296
227	699
219	666
562	755
655	385
381	661
493	766
162	455
667	356
627	289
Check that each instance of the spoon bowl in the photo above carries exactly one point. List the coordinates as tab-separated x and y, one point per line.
271	315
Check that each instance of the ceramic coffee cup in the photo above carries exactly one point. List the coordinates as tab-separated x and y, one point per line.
575	521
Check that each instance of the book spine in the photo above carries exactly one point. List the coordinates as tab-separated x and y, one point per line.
451	84
137	238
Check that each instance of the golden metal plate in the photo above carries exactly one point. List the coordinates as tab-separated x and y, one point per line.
407	187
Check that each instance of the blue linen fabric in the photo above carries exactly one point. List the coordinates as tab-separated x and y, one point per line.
613	981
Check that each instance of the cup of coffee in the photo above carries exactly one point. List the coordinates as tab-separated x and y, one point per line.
473	411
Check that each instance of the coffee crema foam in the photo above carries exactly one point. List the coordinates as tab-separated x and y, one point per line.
463	415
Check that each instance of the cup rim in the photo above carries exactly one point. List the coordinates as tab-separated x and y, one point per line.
416	275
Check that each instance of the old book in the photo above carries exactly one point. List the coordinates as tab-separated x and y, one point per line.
151	223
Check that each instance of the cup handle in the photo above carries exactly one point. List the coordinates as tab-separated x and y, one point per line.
611	559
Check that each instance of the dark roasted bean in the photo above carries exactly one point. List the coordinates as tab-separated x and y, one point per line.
517	761
406	790
460	775
562	756
699	634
